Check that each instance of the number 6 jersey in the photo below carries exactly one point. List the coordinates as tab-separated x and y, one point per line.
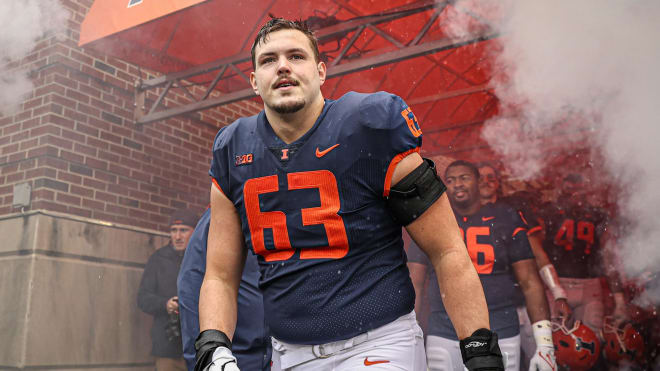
331	257
496	237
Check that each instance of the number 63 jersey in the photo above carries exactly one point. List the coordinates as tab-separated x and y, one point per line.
330	255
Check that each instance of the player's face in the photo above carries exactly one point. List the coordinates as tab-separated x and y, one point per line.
488	183
286	75
462	186
180	235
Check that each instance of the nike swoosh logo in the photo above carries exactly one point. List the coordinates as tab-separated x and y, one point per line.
487	218
320	154
367	362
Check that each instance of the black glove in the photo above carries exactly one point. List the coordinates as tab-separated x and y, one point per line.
205	344
481	352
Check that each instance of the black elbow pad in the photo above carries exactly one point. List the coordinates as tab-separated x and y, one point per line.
415	193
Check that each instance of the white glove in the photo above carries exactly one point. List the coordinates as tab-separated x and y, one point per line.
544	356
222	360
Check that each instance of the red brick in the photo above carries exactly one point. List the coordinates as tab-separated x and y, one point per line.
159	200
75	115
76	95
105	177
68	177
60	121
86	150
33	103
56	141
108	156
62	101
29	124
12	178
100	124
118	189
70	156
28	164
81	191
139	214
96	164
116	209
68	199
62	80
43	194
124	152
86	129
142	176
80	57
52	162
45	129
9	149
43	151
86	89
110	137
86	213
100	104
107	197
49	205
93	205
73	135
44	172
120	170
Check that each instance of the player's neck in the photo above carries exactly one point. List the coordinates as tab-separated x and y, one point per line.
291	126
491	199
467	210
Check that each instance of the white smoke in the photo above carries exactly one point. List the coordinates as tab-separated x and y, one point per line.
591	68
24	24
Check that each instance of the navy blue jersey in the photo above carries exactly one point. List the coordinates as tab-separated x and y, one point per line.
330	255
572	240
251	342
496	237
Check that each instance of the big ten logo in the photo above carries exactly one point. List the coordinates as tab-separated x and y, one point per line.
411	120
243	159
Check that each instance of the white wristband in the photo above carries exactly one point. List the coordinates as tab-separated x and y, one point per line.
549	277
542	333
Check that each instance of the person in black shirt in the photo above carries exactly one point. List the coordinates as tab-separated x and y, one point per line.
157	295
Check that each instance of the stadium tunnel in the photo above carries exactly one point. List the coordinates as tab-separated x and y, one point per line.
170	74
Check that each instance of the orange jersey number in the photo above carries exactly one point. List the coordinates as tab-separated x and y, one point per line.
482	254
567	231
326	214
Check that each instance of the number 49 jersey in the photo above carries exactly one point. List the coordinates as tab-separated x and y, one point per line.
572	240
331	257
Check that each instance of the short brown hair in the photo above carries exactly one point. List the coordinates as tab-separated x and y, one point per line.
278	24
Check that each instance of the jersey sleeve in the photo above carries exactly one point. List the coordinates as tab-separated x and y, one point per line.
520	248
393	126
219	171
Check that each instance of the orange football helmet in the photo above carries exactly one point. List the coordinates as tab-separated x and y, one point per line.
577	348
623	342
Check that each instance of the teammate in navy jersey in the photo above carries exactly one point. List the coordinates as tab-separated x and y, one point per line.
251	344
574	237
496	239
319	190
490	191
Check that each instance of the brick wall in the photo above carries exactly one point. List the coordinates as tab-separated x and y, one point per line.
75	142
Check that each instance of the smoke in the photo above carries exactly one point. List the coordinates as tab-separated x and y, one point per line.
584	74
25	23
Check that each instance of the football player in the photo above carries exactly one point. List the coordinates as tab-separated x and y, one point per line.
575	233
490	192
319	190
496	239
251	343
